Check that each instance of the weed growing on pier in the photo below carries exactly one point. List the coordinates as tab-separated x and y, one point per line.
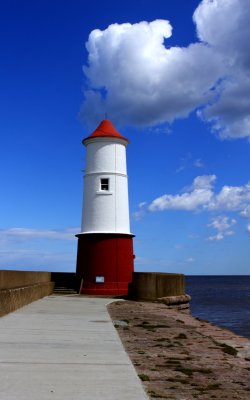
186	371
144	377
181	336
229	349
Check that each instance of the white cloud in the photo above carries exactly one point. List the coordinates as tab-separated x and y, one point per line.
246	212
144	82
224	25
29	248
198	163
222	225
203	182
248	229
232	198
138	215
30	233
190	259
230	116
201	196
185	201
43	260
197	197
187	161
136	79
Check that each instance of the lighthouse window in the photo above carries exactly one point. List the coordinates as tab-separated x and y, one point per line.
104	184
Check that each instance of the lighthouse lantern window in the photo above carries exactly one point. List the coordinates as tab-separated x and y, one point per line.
104	184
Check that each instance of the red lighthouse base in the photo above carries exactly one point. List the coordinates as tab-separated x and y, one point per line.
105	263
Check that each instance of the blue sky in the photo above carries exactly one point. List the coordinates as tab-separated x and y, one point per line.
179	90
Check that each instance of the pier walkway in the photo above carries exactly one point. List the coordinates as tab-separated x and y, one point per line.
64	347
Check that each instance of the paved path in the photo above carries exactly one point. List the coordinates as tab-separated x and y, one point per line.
64	347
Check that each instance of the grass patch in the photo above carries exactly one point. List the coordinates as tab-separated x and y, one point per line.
162	326
226	348
160	345
202	391
205	389
146	326
213	386
178	343
151	327
186	371
229	349
173	362
181	336
156	396
201	320
204	370
144	377
178	380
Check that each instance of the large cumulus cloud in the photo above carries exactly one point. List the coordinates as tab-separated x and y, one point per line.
137	79
224	26
201	196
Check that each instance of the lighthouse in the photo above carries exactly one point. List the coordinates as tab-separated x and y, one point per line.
105	259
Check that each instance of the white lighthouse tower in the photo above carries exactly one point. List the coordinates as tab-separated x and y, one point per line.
105	246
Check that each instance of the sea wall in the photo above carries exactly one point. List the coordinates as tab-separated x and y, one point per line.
18	288
153	285
168	288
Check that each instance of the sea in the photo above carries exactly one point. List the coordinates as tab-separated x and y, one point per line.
222	300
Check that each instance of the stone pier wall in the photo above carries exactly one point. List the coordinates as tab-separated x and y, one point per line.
18	288
153	285
167	288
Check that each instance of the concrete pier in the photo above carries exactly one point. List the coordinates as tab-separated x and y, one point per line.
64	347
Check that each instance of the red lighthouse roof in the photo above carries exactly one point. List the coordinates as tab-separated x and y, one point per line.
105	129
